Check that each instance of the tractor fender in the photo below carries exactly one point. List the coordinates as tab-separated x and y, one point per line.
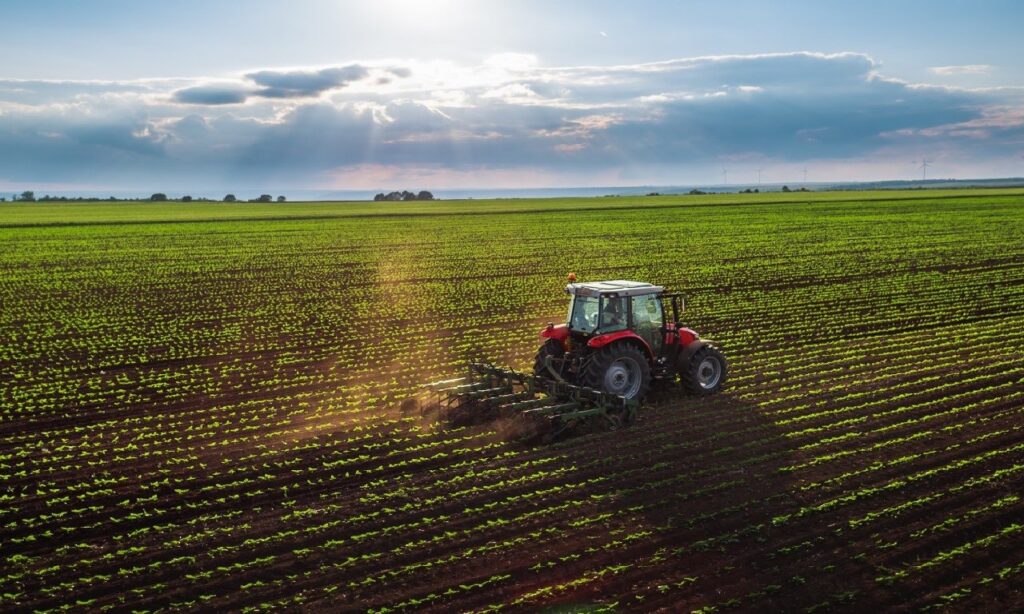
689	350
558	333
682	335
600	341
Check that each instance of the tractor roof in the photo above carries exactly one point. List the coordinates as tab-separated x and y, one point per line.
618	287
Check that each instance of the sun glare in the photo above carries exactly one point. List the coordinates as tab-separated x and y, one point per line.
420	13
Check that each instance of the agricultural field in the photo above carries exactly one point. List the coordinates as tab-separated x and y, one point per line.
202	407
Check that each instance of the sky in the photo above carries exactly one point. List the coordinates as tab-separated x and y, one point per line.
204	96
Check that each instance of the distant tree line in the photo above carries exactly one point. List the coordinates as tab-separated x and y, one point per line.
263	198
404	195
158	197
228	198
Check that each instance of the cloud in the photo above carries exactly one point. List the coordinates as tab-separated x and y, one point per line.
966	69
281	84
651	122
513	92
74	146
305	83
212	95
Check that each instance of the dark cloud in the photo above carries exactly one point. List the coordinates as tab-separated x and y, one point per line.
787	124
274	84
211	95
305	83
310	135
80	147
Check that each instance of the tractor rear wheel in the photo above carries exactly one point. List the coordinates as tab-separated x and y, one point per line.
552	348
619	368
705	372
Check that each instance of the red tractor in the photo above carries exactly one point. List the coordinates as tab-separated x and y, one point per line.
619	338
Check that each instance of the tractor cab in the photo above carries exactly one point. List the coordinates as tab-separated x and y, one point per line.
604	307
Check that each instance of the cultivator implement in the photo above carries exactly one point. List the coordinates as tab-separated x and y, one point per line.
537	407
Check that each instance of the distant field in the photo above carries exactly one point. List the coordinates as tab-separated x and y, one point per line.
200	407
20	214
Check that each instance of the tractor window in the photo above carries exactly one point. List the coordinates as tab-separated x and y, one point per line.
613	314
583	314
647	319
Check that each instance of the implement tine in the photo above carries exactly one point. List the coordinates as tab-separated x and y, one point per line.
445	382
528	404
457	389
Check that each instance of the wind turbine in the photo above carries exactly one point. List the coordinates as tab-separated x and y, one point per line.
805	174
725	176
924	168
759	177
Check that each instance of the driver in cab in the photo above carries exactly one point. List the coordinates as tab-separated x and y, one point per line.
613	314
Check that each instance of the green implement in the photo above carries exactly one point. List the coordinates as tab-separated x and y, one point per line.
546	407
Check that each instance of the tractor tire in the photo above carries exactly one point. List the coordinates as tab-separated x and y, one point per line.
551	347
705	372
619	368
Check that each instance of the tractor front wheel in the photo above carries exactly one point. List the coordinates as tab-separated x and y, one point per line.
619	368
705	372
